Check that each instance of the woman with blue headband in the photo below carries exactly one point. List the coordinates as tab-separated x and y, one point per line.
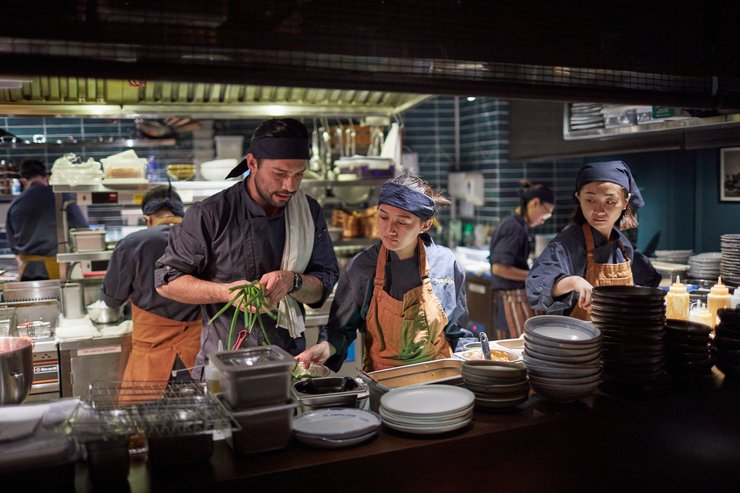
509	255
592	251
406	293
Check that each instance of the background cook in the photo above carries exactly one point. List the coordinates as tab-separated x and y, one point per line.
509	255
591	251
166	334
406	293
264	229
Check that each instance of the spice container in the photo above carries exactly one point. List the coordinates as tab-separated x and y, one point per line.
677	301
718	297
252	377
87	240
318	393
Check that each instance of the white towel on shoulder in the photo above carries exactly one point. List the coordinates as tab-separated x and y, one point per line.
299	236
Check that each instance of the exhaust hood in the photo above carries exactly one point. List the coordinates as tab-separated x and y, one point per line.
75	96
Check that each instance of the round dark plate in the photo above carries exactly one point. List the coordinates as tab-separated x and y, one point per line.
638	318
726	343
628	310
685	338
686	326
632	362
674	357
649	328
632	334
723	331
637	293
729	315
631	350
675	347
730	370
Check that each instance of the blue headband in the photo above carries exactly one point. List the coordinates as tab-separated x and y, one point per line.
407	199
615	172
273	148
174	206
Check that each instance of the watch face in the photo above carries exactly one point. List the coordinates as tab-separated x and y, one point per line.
297	282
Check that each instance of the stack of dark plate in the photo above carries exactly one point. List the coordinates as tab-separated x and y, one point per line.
729	265
727	341
562	357
687	347
499	386
632	324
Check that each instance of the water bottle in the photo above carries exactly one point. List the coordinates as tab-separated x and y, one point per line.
15	187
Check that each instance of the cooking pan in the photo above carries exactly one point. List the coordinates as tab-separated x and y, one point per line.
16	369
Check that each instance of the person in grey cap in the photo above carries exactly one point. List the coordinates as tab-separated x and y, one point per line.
406	294
592	251
166	335
265	229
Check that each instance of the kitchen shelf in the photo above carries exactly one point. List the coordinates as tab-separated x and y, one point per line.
68	258
92	143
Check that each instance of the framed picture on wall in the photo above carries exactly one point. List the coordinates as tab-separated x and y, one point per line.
729	175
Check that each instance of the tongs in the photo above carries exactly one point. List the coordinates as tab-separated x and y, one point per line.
484	347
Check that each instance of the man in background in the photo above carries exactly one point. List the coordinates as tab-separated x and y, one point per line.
31	224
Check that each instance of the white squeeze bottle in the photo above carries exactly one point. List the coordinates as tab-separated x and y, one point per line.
213	374
701	315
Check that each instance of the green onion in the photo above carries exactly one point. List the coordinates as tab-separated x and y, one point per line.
249	298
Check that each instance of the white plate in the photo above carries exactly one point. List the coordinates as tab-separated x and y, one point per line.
337	424
421	420
429	431
427	400
322	442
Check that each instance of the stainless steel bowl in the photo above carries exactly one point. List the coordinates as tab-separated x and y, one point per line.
16	369
105	315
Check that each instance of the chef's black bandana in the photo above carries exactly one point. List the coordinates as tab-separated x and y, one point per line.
407	199
543	193
174	205
615	172
273	148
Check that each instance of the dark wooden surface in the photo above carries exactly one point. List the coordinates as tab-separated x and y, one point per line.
684	436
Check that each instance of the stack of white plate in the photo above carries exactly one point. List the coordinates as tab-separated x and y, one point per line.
498	386
562	356
673	256
335	428
704	265
427	409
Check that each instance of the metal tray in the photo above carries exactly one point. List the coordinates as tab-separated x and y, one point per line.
447	371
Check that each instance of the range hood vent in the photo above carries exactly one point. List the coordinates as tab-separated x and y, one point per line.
107	97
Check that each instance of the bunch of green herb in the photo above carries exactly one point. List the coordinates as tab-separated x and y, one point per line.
251	300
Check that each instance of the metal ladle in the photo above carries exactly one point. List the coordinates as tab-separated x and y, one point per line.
484	347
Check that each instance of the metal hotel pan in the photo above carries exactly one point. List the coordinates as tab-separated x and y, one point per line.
447	371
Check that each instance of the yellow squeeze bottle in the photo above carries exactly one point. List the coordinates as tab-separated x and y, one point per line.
718	297
701	315
677	301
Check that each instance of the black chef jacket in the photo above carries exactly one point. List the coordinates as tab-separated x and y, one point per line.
228	237
131	274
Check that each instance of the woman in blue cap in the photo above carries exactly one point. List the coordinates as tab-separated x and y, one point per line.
592	251
405	293
509	255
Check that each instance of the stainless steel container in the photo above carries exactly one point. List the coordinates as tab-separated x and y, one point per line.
31	290
16	369
73	300
87	240
253	377
326	392
447	371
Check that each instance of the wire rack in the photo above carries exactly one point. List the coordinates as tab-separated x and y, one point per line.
157	409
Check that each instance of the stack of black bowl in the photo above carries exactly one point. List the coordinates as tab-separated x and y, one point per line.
727	342
632	324
688	346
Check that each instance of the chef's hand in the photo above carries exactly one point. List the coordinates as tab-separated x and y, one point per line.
578	284
317	354
277	284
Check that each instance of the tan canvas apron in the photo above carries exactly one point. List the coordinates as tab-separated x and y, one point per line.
602	274
155	343
50	262
402	332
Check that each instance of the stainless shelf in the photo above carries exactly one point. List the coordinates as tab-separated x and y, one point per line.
68	258
93	143
362	182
